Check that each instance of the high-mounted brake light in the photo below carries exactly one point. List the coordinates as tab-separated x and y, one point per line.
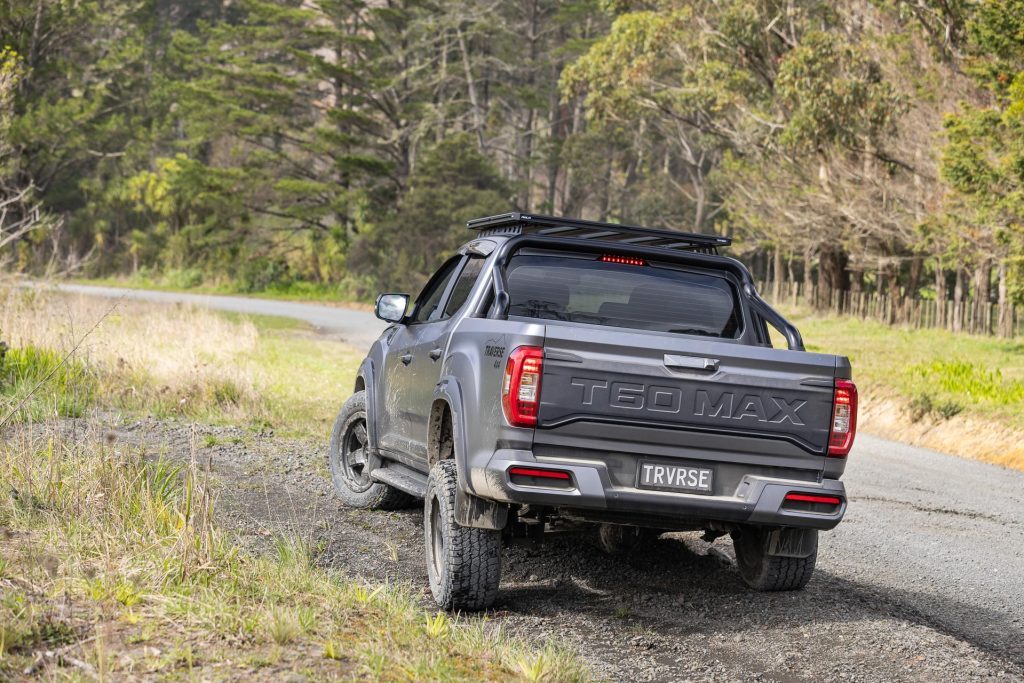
844	419
520	392
624	260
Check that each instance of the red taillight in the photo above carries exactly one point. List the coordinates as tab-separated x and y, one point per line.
624	260
844	419
808	498
520	392
538	473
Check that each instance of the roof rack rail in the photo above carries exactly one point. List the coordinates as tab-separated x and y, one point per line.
517	223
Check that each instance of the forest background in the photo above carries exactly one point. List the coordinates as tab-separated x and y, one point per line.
335	148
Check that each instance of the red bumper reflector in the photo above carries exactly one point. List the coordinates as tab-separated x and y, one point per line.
540	474
807	498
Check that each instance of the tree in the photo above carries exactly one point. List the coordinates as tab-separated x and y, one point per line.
776	124
983	160
453	183
19	214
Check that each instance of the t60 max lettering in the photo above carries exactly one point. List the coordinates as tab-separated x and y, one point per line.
665	399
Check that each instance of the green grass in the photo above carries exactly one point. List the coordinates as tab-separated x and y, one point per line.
306	379
942	373
113	560
68	386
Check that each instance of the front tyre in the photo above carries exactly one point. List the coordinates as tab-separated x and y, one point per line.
348	461
464	564
764	572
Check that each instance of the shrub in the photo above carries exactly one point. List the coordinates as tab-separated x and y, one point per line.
924	405
260	274
920	407
183	278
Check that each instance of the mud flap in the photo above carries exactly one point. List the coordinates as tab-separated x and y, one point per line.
478	513
791	542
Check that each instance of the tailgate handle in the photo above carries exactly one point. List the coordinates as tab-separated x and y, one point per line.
691	362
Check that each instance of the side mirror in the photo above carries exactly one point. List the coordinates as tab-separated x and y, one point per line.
391	307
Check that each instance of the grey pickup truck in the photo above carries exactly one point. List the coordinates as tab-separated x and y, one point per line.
557	373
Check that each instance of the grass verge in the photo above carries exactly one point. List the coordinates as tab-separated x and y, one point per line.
169	361
112	567
957	393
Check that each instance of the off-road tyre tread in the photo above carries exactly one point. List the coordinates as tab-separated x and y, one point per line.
766	573
379	496
472	561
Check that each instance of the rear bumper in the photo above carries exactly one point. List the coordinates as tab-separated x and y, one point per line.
757	500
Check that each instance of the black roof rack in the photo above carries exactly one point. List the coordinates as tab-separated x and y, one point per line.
516	223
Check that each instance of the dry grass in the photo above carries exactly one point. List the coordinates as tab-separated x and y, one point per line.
173	345
965	435
175	361
167	360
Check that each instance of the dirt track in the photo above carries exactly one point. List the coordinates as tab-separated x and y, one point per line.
907	588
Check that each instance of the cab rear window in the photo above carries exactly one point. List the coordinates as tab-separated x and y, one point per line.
641	297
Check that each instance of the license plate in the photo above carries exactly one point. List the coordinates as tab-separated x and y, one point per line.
675	477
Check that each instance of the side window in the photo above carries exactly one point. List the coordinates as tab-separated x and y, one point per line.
463	286
430	297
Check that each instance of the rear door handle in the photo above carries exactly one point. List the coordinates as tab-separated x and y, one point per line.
435	353
691	362
407	358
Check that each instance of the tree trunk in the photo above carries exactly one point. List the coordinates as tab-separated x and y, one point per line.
982	294
565	196
474	100
777	266
558	116
913	283
1005	304
894	292
958	300
609	169
832	274
940	296
808	280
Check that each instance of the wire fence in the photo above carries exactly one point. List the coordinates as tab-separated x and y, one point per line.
970	315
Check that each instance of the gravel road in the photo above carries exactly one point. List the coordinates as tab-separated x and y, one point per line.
358	328
924	580
917	583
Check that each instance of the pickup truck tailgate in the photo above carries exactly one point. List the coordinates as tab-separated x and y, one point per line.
768	403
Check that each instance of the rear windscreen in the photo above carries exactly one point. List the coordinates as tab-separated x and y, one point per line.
642	297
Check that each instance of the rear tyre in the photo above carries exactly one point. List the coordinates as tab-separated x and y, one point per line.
464	564
348	461
764	572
